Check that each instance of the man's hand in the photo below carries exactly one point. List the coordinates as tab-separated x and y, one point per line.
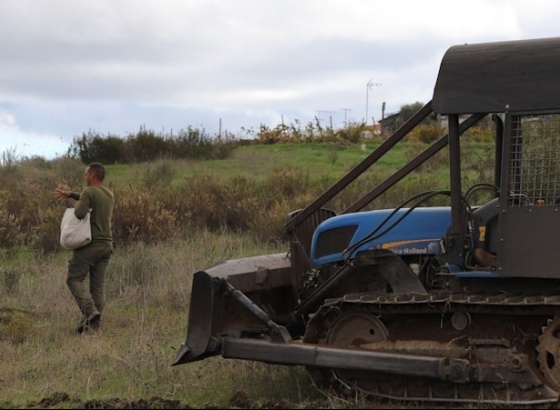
61	193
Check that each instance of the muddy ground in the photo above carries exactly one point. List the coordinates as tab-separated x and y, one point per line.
241	401
238	401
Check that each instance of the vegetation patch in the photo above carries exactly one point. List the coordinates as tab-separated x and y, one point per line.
17	326
173	216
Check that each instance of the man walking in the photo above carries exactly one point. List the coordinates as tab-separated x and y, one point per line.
93	258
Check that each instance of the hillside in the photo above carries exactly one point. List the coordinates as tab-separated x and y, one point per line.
171	220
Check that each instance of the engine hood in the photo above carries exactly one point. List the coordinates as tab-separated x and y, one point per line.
405	232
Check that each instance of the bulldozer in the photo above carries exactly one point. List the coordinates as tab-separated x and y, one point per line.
454	302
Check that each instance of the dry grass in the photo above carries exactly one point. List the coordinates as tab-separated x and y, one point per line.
166	228
148	289
254	191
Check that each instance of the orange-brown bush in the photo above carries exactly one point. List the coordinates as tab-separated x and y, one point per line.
237	202
426	133
10	235
157	209
152	211
311	132
480	133
139	216
158	205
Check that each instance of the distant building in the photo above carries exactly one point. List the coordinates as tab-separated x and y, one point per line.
372	131
390	124
393	122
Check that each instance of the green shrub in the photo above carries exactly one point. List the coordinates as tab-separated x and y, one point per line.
147	145
92	147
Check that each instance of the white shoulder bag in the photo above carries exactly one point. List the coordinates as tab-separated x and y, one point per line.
74	232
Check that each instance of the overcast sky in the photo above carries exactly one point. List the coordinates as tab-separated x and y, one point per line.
113	66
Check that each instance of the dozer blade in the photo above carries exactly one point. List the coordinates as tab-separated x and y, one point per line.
223	302
200	320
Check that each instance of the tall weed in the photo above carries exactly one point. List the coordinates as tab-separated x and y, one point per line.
157	205
144	322
163	233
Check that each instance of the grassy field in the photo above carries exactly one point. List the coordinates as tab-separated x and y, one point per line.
328	161
130	358
45	364
257	161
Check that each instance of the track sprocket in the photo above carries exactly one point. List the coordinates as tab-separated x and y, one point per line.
548	351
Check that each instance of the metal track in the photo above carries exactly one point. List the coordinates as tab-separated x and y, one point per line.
499	334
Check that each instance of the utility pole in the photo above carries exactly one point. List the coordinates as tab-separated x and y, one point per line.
326	112
369	86
382	117
345	115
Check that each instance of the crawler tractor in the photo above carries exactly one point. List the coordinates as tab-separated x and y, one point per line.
456	302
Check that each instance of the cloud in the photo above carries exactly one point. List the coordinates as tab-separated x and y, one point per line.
16	143
68	67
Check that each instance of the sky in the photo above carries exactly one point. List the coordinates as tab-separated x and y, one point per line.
112	67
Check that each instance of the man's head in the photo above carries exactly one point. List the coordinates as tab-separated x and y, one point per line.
95	173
